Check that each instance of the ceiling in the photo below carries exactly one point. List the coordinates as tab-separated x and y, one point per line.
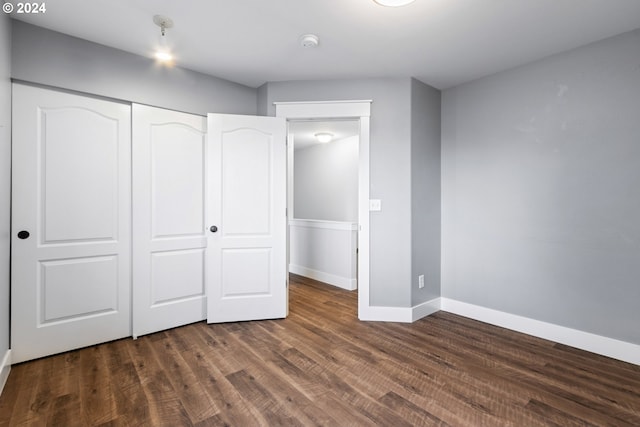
304	131
440	42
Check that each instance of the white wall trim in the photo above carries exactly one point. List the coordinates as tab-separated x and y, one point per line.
5	368
332	279
330	225
343	109
339	101
598	344
425	309
323	109
374	313
400	314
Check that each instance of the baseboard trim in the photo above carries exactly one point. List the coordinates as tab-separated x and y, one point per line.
5	368
425	309
598	344
593	343
400	314
375	313
331	279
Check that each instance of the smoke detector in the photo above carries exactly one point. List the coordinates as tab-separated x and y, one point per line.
309	41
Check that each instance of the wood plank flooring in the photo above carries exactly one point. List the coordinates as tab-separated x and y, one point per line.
321	366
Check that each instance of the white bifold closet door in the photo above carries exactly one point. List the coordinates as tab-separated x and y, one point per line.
71	210
169	212
204	213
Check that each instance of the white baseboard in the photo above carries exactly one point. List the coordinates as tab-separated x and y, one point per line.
332	279
425	309
616	349
399	314
598	344
5	368
375	313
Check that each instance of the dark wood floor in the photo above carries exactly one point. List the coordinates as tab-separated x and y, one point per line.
321	366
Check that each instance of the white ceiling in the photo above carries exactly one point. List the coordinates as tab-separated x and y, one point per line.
440	42
304	131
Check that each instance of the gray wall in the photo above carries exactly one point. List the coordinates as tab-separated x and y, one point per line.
541	199
262	100
51	58
5	177
325	181
425	191
390	151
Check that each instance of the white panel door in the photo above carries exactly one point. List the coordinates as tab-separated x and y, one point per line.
71	230
247	240
169	213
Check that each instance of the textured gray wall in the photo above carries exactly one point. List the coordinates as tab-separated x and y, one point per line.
425	191
5	177
390	172
51	58
541	190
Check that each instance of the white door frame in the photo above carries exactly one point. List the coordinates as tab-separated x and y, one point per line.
327	110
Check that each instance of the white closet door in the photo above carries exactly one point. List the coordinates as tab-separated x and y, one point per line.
247	263
169	212
70	222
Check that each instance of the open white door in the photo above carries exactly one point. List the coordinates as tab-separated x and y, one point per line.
169	213
71	217
247	274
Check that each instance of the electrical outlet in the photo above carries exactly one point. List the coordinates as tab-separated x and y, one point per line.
421	281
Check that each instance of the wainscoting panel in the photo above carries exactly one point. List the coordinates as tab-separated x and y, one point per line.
324	251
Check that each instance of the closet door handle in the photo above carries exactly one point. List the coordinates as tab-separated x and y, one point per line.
213	228
24	234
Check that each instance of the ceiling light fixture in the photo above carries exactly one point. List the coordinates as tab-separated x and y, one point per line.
324	137
163	53
394	3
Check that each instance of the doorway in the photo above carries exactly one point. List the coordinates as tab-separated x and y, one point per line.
323	221
358	111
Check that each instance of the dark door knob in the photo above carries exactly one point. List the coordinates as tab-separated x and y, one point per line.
213	228
24	234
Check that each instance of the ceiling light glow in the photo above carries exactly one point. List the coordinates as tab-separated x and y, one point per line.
163	56
163	53
324	137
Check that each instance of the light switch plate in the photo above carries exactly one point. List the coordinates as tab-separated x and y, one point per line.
375	205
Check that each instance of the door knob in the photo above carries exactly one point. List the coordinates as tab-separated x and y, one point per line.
213	228
24	234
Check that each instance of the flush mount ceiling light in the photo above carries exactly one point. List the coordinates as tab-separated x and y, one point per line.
394	3
324	137
163	53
